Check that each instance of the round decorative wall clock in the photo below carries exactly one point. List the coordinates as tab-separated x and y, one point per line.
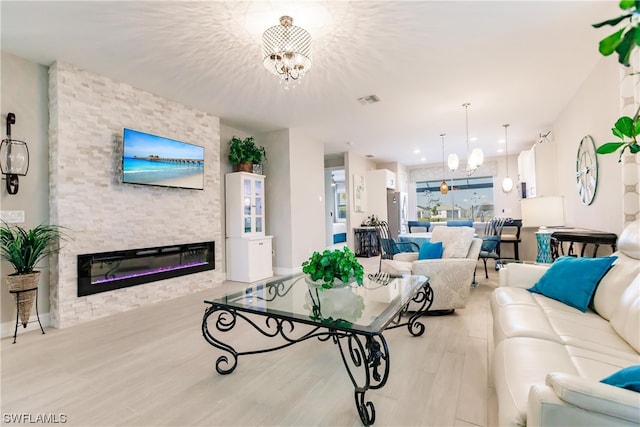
587	170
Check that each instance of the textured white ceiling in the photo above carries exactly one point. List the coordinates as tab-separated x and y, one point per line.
516	62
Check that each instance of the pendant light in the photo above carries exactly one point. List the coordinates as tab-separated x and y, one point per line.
444	188
475	158
507	183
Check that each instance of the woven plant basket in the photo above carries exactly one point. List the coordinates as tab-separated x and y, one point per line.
244	167
25	299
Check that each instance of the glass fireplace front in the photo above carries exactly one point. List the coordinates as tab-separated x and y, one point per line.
106	271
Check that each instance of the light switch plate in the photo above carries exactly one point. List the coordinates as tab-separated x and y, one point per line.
12	217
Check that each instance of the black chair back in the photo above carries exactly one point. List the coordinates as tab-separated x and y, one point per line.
385	242
387	247
491	242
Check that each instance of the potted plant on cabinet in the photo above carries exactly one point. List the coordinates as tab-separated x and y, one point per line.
24	249
244	153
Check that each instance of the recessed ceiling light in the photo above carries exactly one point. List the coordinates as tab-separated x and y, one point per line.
500	150
423	159
501	141
473	138
416	151
370	99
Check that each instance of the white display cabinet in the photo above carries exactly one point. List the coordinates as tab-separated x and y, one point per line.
248	250
245	204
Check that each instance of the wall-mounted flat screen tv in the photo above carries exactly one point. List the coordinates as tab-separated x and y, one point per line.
153	160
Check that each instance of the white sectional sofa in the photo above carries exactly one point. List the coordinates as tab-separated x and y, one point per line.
549	357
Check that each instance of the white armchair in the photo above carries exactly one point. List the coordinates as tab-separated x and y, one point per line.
451	276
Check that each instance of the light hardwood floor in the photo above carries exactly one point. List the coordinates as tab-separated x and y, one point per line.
152	367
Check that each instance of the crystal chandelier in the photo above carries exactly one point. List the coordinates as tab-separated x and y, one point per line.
474	158
444	188
286	51
507	183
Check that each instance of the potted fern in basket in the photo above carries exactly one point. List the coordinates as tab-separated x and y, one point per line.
24	249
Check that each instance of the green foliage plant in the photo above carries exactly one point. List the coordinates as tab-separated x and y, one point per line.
624	127
24	249
623	42
329	264
245	151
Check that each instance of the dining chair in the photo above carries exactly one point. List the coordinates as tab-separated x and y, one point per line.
418	224
388	247
491	242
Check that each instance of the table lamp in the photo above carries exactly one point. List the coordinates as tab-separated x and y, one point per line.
543	212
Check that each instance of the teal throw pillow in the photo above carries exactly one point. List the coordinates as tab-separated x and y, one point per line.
489	243
573	280
628	378
430	250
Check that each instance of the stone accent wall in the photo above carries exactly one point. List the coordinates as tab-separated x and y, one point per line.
87	115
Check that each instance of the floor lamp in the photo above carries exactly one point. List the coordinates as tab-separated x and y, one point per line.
543	212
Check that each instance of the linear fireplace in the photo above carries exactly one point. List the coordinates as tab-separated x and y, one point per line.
106	271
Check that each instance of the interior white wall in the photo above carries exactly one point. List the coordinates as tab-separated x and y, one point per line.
592	111
308	203
278	197
24	93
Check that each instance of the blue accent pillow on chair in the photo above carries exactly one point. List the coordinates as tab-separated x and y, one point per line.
628	378
430	250
573	280
489	243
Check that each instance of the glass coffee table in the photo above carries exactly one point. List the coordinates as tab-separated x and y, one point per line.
289	310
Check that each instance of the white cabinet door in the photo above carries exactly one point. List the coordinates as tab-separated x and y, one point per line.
245	215
249	259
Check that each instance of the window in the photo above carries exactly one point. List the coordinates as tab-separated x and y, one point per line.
468	198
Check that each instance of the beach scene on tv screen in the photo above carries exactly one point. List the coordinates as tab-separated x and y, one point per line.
153	160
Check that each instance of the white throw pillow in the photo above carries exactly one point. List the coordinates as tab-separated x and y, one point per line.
455	240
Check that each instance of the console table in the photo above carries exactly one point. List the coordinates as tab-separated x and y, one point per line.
583	237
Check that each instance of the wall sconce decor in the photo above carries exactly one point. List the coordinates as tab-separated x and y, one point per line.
14	157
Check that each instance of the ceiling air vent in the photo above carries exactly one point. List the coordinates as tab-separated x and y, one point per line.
371	99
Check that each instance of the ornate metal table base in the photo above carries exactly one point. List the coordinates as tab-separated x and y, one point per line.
366	351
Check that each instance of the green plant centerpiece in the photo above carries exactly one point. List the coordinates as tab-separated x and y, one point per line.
244	153
623	42
24	249
337	264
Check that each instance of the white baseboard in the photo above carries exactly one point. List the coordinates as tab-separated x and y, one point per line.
278	271
7	328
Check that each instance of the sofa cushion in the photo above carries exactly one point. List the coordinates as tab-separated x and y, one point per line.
455	240
520	362
613	284
628	378
430	250
573	280
629	240
626	318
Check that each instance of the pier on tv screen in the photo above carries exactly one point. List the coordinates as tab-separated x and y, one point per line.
153	160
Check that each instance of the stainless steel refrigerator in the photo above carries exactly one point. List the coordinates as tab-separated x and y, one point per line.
397	212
